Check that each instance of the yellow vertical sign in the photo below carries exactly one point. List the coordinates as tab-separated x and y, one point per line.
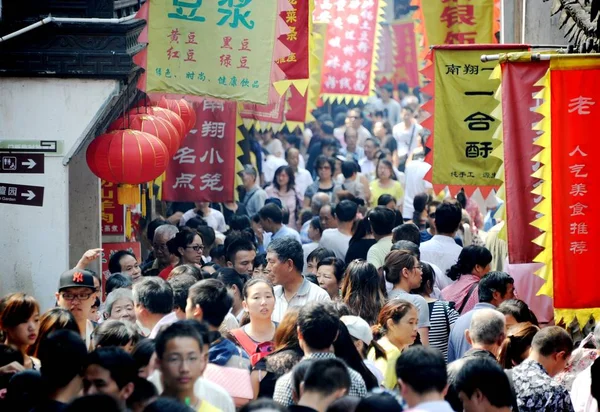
219	48
458	21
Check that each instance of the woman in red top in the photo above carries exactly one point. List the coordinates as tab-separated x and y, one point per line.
187	246
473	264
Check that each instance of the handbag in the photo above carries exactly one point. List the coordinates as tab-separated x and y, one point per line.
235	381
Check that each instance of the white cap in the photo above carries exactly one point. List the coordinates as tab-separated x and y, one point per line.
358	328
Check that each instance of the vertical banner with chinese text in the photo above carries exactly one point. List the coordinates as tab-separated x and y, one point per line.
113	214
295	65
406	69
218	48
203	169
349	62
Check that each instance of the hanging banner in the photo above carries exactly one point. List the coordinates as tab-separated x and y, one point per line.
387	55
406	68
518	91
219	48
203	169
459	21
113	214
349	62
463	121
271	113
295	64
296	107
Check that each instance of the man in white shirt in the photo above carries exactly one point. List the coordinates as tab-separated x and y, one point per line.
442	250
354	119
213	217
302	176
153	302
368	164
414	172
285	260
338	239
407	133
390	107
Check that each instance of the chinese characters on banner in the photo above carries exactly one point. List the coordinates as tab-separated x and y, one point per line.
385	65
458	21
406	69
295	65
203	169
113	215
463	125
575	114
109	249
220	48
348	68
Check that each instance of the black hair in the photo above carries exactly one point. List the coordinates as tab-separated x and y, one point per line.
420	203
239	223
262	405
469	257
288	248
395	262
288	170
195	223
154	294
180	329
207	234
117	281
403	87
319	254
113	263
346	210
143	391
8	354
427	279
339	266
322	159
318	323
448	216
312	278
315	222
119	363
253	282
382	220
115	333
181	285
182	239
237	245
95	402
407	231
260	260
297	375
423	369
461	198
271	211
385	199
167	404
595	370
142	352
484	375
328	142
518	310
552	339
325	376
214	300
494	282
63	355
408	246
152	226
230	277
217	252
363	228
345	349
188	269
349	169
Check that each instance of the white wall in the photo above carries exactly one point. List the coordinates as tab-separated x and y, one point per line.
34	241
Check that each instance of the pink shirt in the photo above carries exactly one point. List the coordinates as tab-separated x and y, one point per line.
288	200
458	291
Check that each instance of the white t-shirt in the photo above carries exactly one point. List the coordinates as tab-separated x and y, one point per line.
414	174
336	241
303	179
270	165
403	136
215	219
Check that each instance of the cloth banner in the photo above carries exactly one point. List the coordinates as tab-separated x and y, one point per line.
387	55
203	169
406	68
271	113
349	62
219	48
113	214
518	90
295	64
297	106
463	120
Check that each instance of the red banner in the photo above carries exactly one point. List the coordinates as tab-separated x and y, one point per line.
113	214
297	105
295	65
109	249
406	69
349	56
272	113
385	66
203	169
518	88
575	114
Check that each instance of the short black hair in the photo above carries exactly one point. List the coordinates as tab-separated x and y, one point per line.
238	245
63	355
493	282
384	199
271	211
181	285
349	168
260	260
484	375
346	210
214	300
115	333
167	404
288	248
117	281
448	216
319	254
180	329
408	246
96	402
154	294
382	220
113	263
207	234
407	231
319	324
595	369
120	364
325	376
231	277
322	159
240	222
423	369
339	267
552	339
143	351
217	252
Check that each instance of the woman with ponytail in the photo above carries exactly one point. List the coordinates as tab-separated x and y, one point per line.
515	348
473	264
396	329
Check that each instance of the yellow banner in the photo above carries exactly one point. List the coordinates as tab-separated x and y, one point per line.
464	125
458	21
219	48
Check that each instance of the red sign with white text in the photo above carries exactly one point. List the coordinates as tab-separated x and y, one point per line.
113	214
406	69
295	65
109	249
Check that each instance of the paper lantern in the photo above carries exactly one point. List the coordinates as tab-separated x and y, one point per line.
183	108
128	158
156	126
165	114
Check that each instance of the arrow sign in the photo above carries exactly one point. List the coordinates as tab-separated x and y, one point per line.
21	163
21	194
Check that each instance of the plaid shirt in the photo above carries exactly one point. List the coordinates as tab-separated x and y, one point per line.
283	387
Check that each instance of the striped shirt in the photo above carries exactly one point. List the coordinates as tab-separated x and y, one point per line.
441	322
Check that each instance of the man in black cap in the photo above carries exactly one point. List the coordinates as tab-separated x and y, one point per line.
77	293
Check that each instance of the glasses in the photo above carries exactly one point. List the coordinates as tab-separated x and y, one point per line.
419	267
79	296
325	168
196	248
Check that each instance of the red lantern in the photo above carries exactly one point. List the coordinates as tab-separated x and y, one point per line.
165	114
154	125
183	108
128	157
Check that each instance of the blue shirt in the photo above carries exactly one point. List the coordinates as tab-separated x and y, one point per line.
457	342
285	231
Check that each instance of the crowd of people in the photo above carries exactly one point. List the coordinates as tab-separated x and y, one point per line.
339	282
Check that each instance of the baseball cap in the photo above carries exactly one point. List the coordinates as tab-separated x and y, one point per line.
76	278
358	328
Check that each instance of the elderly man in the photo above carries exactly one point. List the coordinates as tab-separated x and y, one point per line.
255	197
163	257
317	202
